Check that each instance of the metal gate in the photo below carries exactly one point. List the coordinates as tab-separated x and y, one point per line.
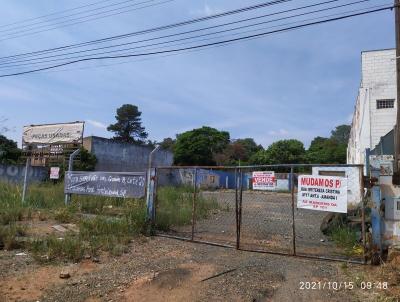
219	206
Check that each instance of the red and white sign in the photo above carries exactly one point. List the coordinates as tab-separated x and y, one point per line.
263	180
322	193
54	172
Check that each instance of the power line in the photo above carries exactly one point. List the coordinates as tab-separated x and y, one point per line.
36	61
202	45
196	30
52	14
155	29
29	32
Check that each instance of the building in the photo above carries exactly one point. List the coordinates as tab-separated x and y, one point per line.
375	111
115	156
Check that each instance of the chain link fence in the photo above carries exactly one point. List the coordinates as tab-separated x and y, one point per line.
226	206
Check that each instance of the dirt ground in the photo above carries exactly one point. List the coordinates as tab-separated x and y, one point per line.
163	269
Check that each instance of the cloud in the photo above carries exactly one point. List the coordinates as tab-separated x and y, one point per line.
97	124
280	132
205	11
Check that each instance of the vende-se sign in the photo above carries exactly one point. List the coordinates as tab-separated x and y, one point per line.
263	180
322	193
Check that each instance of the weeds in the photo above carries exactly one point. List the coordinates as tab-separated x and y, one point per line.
9	235
176	207
346	238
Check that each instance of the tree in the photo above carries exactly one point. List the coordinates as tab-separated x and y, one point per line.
326	151
128	127
239	151
168	144
198	146
288	151
87	161
9	152
341	134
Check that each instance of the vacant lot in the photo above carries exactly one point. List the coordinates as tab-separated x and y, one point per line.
95	250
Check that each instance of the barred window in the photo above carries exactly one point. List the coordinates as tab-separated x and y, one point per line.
382	104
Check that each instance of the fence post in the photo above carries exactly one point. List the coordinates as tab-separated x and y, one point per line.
293	220
194	202
150	191
240	205
70	168
363	199
237	209
25	179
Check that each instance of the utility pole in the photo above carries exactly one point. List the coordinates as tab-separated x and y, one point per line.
397	127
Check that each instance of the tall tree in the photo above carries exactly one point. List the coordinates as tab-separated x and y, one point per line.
198	146
288	151
341	134
128	127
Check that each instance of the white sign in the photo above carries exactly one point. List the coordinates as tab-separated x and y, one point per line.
53	134
322	193
263	180
54	172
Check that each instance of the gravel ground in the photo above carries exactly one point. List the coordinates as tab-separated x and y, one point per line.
266	225
163	269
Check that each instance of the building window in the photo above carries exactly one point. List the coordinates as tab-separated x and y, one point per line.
382	104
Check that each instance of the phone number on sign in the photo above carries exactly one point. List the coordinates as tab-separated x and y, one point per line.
335	285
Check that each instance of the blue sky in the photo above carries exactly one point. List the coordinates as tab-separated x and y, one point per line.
299	84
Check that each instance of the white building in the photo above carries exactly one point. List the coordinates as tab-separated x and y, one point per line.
375	110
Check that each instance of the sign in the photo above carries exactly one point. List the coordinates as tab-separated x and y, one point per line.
322	193
54	172
119	184
263	180
53	133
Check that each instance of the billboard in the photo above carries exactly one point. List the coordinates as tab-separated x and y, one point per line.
322	193
53	133
263	180
111	184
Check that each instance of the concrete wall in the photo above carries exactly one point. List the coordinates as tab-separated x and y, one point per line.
122	157
16	173
369	123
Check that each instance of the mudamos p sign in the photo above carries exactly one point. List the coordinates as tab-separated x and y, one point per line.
322	193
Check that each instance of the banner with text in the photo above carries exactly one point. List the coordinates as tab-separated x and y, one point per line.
120	184
322	193
263	180
53	134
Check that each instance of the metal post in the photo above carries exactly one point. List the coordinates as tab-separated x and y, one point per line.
237	209
70	169
194	202
363	199
240	206
293	221
25	179
397	134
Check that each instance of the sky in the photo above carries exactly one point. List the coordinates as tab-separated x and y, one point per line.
293	85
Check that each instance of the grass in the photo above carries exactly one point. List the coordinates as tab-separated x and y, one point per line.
175	207
114	223
347	239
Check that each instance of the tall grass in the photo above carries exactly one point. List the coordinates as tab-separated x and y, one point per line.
175	207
